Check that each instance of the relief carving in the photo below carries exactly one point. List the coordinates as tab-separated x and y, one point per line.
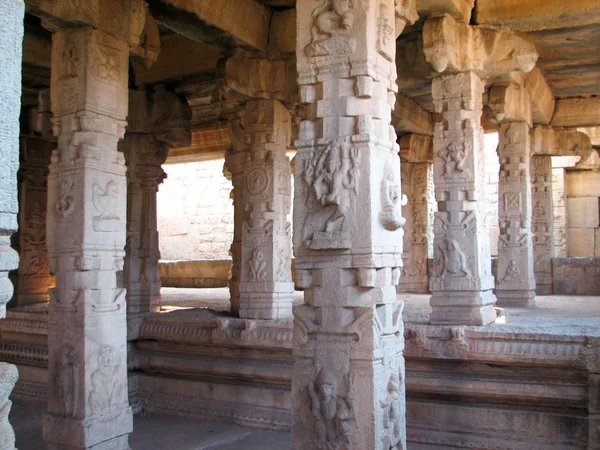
333	176
65	204
107	382
512	274
334	409
257	266
386	39
70	61
105	201
393	414
257	181
453	261
67	379
454	156
332	21
390	215
106	63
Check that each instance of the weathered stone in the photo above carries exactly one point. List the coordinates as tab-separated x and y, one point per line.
576	276
459	9
576	112
282	35
583	212
409	117
266	285
582	184
542	100
87	380
462	283
155	122
515	277
8	377
581	242
453	46
559	212
11	36
556	141
510	103
348	392
527	15
542	222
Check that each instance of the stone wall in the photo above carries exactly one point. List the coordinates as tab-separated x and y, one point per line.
583	213
195	274
195	213
576	276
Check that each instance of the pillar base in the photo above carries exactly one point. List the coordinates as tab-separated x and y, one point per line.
108	433
462	308
543	289
266	305
515	298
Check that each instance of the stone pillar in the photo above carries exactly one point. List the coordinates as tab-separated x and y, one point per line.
462	54
8	378
155	120
559	202
266	286
462	282
11	42
235	160
416	154
348	376
515	282
34	278
87	357
542	225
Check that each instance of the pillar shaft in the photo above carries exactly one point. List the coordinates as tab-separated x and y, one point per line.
515	284
144	157
559	212
87	364
542	224
348	376
418	230
266	286
11	37
462	282
34	278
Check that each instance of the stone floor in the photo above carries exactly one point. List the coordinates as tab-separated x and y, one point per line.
551	315
155	432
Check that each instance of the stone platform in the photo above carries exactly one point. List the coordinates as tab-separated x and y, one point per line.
529	380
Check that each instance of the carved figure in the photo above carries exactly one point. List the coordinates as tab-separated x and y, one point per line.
65	204
104	199
70	61
331	21
512	272
257	266
392	413
333	175
452	260
334	413
67	379
390	216
455	158
105	382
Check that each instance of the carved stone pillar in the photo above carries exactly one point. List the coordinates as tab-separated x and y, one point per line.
155	120
542	223
559	212
235	160
515	282
34	277
462	284
266	286
87	392
11	36
348	377
417	184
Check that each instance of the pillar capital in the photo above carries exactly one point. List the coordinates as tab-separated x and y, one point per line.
452	45
558	141
416	148
510	103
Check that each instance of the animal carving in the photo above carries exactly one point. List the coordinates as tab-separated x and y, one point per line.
453	260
